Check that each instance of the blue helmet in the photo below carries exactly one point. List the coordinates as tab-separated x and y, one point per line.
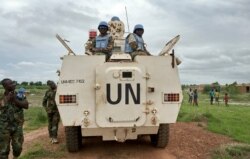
115	18
103	23
21	90
138	26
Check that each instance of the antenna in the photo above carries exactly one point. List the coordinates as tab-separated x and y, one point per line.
127	18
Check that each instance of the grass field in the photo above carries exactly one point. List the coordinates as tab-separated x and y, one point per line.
232	121
38	151
35	116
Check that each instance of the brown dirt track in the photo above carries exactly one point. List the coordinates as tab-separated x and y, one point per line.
187	141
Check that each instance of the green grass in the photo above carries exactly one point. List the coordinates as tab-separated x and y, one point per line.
235	151
38	151
35	117
233	121
241	97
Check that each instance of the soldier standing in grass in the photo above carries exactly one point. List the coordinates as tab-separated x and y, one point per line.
11	120
50	106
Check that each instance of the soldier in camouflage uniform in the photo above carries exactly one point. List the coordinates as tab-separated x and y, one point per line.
134	43
11	120
103	43
51	108
88	44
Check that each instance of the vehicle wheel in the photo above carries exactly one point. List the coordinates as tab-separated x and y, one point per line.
73	138
161	138
79	137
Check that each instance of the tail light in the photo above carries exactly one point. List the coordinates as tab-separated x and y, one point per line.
64	99
171	97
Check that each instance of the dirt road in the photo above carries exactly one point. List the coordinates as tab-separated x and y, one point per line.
187	141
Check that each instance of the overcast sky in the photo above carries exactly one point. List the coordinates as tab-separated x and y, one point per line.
214	44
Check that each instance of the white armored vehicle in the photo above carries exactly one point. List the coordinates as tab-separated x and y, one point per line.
119	99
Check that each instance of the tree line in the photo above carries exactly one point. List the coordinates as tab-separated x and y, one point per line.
29	85
24	83
229	88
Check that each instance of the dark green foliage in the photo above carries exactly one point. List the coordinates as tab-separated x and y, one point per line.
206	89
38	83
24	83
231	88
216	86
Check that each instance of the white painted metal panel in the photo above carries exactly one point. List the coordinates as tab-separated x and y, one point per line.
120	95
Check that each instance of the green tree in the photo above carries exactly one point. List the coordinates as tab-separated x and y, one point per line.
216	86
38	83
24	83
206	88
232	88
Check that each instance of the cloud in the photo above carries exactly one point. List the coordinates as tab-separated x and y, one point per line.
2	74
214	44
32	65
30	71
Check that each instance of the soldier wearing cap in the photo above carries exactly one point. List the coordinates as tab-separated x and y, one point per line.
134	43
103	43
11	119
50	106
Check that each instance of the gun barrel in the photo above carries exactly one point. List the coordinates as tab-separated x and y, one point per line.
64	44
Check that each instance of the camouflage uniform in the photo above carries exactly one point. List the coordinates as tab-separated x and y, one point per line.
88	46
53	115
11	128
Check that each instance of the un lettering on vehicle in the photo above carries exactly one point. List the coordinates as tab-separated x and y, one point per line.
128	91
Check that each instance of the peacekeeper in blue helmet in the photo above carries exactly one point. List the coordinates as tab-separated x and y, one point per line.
103	43
134	43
